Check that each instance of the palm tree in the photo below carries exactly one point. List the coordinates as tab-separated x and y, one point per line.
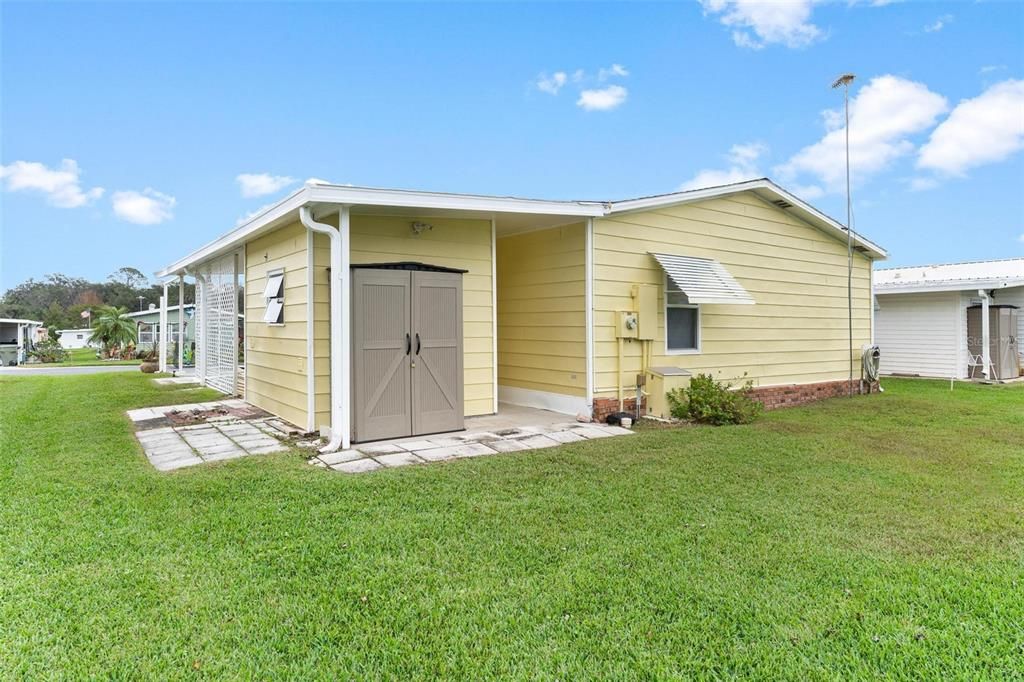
113	328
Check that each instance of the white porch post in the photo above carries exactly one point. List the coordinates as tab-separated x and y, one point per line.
588	289
19	358
162	345
986	356
344	306
494	315
181	322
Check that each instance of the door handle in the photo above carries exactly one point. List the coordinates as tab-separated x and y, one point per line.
417	343
408	344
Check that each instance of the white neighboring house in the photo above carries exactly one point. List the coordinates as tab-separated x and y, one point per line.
921	315
74	338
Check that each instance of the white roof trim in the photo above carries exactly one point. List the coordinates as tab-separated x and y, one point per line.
947	285
326	194
703	280
762	187
14	320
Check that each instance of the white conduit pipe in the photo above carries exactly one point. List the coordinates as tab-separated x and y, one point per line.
337	399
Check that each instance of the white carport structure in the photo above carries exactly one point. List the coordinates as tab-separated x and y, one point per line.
16	339
921	314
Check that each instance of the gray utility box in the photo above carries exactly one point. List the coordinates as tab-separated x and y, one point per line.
1003	342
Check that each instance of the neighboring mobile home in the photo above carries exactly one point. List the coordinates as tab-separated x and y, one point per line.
374	313
930	319
147	323
17	337
71	339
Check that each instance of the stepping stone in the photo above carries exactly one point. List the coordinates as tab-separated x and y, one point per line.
617	430
398	459
178	464
507	445
413	445
564	436
538	441
267	449
436	454
332	458
594	432
473	450
375	449
358	466
232	454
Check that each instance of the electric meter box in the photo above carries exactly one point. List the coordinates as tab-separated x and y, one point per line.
660	381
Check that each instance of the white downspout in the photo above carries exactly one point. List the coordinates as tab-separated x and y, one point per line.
340	433
310	364
986	356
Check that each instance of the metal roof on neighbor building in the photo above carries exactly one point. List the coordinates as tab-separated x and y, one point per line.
703	280
985	274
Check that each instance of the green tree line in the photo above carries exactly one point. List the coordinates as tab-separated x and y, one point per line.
59	300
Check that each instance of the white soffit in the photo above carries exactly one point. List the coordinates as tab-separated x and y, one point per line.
703	280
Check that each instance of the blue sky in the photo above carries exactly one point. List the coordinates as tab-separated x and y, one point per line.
126	127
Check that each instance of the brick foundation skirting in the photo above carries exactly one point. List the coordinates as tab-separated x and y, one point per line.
774	397
606	406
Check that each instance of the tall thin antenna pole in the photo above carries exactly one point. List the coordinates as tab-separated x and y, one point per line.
845	81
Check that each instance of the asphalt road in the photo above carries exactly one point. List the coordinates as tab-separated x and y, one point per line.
27	371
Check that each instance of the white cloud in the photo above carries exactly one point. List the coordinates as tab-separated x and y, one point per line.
147	207
62	186
883	114
939	23
982	130
989	68
743	160
603	99
553	83
615	70
259	184
757	23
920	184
1021	238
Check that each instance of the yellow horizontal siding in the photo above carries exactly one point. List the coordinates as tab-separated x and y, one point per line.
541	319
275	373
795	333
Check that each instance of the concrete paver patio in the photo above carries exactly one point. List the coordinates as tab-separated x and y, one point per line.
513	429
228	436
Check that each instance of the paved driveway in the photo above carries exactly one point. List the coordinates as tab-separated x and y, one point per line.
24	371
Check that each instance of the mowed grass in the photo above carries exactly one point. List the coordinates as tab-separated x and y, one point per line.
878	536
86	357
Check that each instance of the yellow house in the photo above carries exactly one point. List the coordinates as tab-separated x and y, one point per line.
374	313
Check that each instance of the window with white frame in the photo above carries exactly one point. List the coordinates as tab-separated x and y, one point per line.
273	293
682	321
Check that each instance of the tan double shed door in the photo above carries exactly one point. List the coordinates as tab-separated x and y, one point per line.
407	352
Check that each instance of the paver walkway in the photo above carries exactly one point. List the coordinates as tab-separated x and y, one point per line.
242	431
373	456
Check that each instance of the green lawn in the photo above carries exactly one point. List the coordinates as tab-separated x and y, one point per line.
879	536
86	357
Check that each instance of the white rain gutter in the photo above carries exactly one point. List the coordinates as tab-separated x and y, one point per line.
340	432
986	356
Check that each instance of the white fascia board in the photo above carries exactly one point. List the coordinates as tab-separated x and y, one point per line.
368	196
240	234
355	196
967	285
807	212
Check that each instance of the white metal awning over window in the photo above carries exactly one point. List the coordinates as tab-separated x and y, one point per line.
703	280
273	289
